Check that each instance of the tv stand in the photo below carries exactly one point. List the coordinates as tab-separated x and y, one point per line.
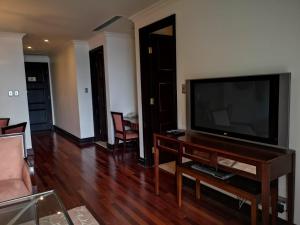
256	162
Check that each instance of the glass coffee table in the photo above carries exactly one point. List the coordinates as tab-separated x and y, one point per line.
39	209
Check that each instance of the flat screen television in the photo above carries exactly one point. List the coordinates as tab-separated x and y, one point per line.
254	108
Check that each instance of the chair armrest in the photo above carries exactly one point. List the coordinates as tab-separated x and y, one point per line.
26	177
127	123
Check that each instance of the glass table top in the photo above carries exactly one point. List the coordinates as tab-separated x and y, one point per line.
40	209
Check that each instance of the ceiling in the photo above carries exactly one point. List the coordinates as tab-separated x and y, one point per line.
62	20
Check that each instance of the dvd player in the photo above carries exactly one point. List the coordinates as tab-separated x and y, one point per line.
212	171
177	132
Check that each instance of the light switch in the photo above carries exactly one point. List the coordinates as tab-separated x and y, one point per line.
10	93
16	93
86	90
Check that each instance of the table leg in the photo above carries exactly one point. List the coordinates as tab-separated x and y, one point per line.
253	212
179	187
291	193
265	194
156	167
274	201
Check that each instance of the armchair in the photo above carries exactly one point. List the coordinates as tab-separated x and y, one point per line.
14	129
14	177
121	133
3	123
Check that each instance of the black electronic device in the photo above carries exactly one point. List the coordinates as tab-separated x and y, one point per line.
254	108
212	171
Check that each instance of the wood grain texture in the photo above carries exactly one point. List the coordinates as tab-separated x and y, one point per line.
120	191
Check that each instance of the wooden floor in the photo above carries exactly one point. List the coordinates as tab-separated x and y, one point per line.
118	191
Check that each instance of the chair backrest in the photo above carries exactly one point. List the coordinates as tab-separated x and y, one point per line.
14	129
118	122
12	150
4	122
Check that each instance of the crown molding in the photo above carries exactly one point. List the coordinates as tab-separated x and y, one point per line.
150	9
11	35
96	36
116	34
80	42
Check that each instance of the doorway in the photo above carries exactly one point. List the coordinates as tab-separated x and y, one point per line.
39	98
98	93
158	80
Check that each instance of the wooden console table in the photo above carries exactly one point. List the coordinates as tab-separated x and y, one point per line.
256	162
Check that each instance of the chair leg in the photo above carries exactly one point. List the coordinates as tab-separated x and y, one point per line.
198	189
124	146
115	145
137	149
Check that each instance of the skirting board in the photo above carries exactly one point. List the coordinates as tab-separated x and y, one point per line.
142	161
30	152
111	146
73	138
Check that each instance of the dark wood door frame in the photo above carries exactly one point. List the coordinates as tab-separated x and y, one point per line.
98	93
147	82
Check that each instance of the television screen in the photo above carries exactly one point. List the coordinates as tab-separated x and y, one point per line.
245	107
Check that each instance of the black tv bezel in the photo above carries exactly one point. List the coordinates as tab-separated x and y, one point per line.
274	80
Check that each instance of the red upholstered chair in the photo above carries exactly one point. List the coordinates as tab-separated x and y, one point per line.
3	122
14	129
121	133
14	177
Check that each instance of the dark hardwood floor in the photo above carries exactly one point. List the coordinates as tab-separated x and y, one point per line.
119	191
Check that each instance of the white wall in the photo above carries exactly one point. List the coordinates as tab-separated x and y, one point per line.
44	59
84	82
12	73
227	38
120	79
121	76
64	89
70	77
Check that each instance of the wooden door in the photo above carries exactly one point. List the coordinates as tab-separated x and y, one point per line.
163	72
98	93
158	81
39	98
